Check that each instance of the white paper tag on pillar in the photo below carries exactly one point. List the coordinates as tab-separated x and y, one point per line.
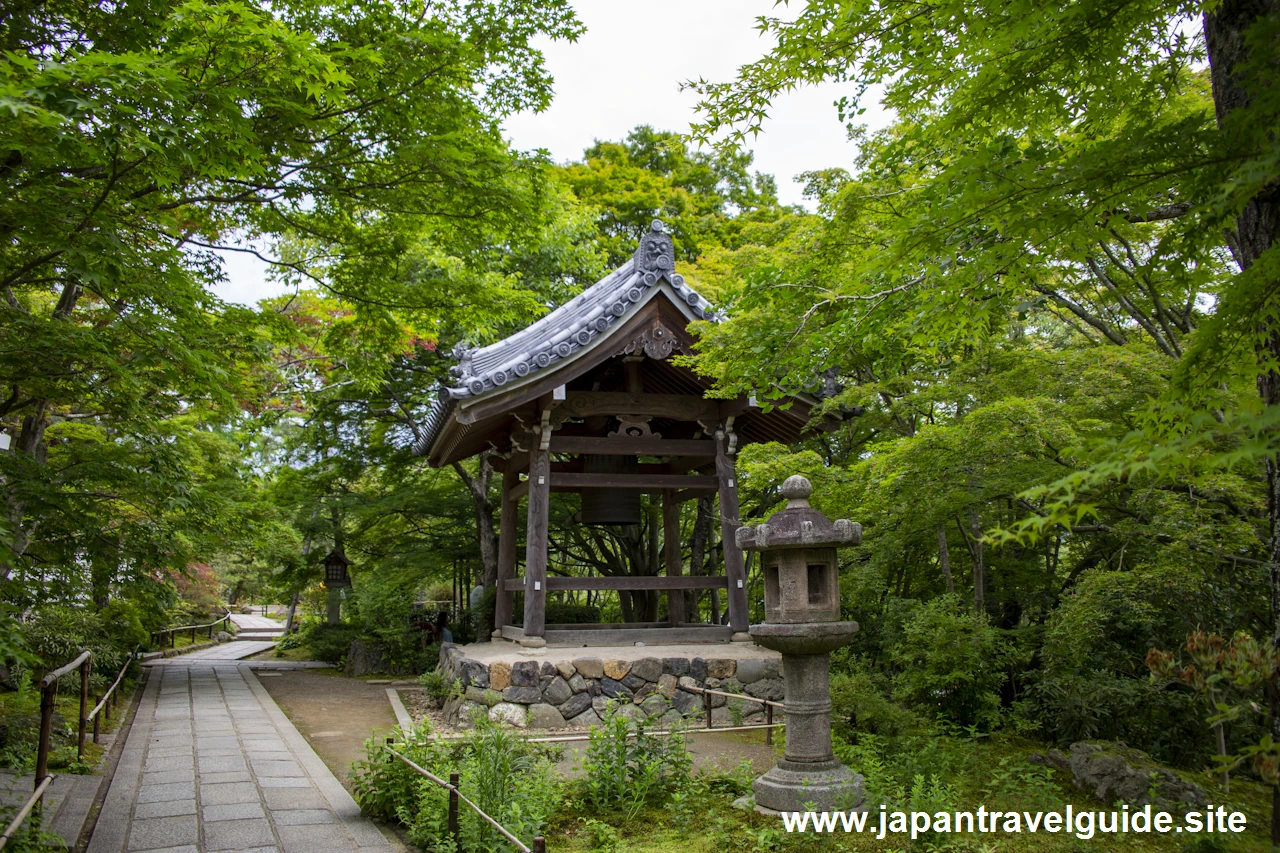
542	481
731	484
537	585
739	584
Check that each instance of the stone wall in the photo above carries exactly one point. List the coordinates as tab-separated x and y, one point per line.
542	695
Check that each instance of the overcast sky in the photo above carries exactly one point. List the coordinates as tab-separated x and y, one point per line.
627	70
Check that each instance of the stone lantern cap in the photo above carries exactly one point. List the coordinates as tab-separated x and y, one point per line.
799	525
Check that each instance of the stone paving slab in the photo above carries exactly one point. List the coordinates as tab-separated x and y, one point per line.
212	765
222	652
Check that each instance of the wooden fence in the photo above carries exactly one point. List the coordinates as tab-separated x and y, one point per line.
48	696
158	637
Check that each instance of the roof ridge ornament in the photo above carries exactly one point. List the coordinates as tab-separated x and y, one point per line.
656	255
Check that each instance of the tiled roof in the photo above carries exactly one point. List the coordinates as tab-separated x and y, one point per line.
557	336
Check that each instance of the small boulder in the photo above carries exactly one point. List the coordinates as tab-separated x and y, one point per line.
650	669
557	692
654	706
509	714
566	670
721	667
589	667
576	705
614	689
1116	772
585	720
222	637
633	681
577	683
522	695
544	716
617	669
675	666
525	673
767	688
698	669
474	674
685	703
754	669
667	685
687	682
547	670
499	675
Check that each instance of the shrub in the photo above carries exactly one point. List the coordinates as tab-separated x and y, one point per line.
860	705
953	663
627	767
440	686
387	788
330	643
572	614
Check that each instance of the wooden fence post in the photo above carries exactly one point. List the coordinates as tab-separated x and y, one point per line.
768	718
453	811
46	729
97	697
706	701
539	845
84	705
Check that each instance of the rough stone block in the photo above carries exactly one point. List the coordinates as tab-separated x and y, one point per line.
576	705
767	688
589	667
667	685
593	686
509	714
687	681
566	670
577	683
645	691
698	669
721	667
586	720
543	716
650	669
499	675
524	674
754	669
474	674
547	670
675	666
614	689
557	692
522	695
655	705
633	682
617	669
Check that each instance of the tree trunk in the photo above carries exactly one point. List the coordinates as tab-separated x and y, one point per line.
486	529
944	559
979	566
1257	229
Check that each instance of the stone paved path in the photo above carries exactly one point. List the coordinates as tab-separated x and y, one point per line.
212	764
222	652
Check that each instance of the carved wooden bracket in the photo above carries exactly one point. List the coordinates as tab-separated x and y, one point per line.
657	340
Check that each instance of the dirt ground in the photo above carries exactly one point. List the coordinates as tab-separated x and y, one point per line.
334	714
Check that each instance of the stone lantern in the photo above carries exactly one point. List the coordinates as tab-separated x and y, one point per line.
802	620
336	579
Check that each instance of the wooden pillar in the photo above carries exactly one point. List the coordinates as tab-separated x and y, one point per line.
508	512
734	568
672	554
535	546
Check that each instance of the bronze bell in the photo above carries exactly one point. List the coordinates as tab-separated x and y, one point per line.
610	506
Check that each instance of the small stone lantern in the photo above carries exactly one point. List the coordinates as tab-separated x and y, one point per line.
802	620
335	580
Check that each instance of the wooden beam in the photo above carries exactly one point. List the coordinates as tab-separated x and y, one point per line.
633	446
535	546
508	511
673	555
519	490
730	521
633	481
620	636
679	407
643	582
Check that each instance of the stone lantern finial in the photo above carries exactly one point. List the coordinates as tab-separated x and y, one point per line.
796	489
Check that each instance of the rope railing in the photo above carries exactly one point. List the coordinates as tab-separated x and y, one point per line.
25	811
158	637
539	843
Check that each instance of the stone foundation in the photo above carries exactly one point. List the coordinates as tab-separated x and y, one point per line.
573	689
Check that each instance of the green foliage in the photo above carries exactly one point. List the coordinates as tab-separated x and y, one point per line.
572	614
330	643
953	664
387	788
860	705
19	724
627	767
440	686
